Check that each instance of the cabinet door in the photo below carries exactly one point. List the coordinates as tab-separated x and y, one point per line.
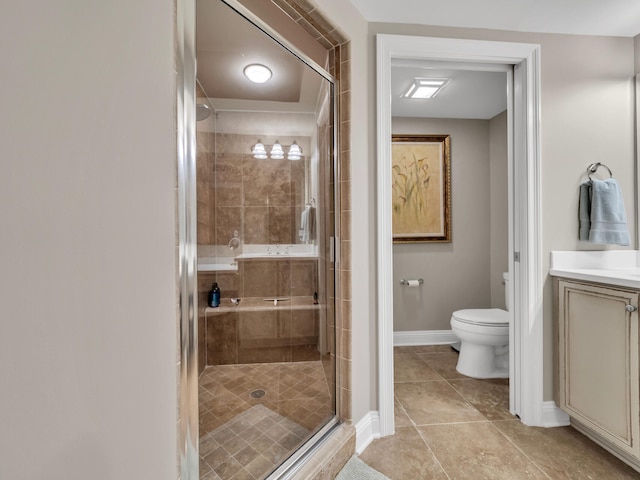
599	361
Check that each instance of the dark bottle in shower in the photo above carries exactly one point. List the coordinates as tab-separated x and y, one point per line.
214	295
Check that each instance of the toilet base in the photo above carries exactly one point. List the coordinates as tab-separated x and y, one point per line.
483	361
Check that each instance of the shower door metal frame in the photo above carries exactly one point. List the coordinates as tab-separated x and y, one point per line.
188	437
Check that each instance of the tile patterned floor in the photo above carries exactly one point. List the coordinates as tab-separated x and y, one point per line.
242	437
449	426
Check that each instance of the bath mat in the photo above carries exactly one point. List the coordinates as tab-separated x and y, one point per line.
356	469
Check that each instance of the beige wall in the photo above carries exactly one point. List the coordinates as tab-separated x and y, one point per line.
362	229
88	350
499	207
637	52
458	274
87	285
587	116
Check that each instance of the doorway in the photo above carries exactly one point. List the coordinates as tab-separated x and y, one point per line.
525	295
257	211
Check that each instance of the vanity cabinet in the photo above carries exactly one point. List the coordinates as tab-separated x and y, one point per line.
598	360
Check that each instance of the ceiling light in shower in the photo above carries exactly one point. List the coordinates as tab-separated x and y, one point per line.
259	151
276	151
425	87
257	73
294	151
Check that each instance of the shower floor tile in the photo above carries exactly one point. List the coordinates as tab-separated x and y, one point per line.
252	416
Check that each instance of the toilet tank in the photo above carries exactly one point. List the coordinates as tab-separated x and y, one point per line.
506	279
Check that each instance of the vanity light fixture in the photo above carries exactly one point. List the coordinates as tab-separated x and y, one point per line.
259	151
425	87
276	151
295	151
257	73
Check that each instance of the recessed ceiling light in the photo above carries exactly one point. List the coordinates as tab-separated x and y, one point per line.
257	73
425	87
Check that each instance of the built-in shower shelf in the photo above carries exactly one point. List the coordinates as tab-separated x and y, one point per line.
255	304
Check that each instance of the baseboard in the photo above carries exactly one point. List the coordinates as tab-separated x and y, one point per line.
367	430
424	337
553	416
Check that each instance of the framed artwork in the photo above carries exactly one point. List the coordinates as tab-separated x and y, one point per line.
421	188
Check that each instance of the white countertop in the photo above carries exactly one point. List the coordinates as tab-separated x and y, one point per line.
611	267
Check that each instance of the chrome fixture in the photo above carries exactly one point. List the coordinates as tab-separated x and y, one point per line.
202	111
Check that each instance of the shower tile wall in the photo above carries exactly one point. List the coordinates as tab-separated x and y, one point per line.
262	200
254	332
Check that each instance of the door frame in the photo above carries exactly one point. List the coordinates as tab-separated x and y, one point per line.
525	292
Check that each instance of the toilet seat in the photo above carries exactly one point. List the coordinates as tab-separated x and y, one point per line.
487	317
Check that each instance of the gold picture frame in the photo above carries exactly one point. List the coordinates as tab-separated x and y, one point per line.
421	188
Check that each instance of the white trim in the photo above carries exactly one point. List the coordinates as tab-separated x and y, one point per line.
525	233
367	430
528	396
553	416
424	337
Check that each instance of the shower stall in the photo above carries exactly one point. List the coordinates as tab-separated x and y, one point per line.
265	167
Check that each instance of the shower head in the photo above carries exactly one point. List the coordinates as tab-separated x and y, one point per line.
202	111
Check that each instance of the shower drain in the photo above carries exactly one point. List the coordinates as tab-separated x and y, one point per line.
258	393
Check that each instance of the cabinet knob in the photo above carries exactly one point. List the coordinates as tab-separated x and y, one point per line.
630	308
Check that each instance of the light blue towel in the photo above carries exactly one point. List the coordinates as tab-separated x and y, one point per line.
607	219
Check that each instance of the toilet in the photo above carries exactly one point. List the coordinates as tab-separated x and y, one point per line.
484	340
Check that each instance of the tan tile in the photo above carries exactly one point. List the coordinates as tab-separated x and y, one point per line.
243	475
280	221
563	453
435	402
303	278
229	219
209	475
222	342
258	278
207	445
401	418
409	368
246	455
256	221
443	363
405	350
489	396
216	457
259	467
426	349
478	451
403	456
228	468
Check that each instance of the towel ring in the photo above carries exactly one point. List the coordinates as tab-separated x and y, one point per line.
591	169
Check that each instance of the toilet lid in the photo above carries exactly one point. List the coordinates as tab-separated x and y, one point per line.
486	316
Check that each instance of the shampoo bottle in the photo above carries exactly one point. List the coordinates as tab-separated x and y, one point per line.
214	296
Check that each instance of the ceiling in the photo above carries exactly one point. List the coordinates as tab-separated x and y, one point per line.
226	43
482	95
582	17
469	94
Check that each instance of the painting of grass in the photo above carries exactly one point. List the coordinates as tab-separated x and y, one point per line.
420	188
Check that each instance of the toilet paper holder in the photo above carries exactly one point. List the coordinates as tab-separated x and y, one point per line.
405	283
